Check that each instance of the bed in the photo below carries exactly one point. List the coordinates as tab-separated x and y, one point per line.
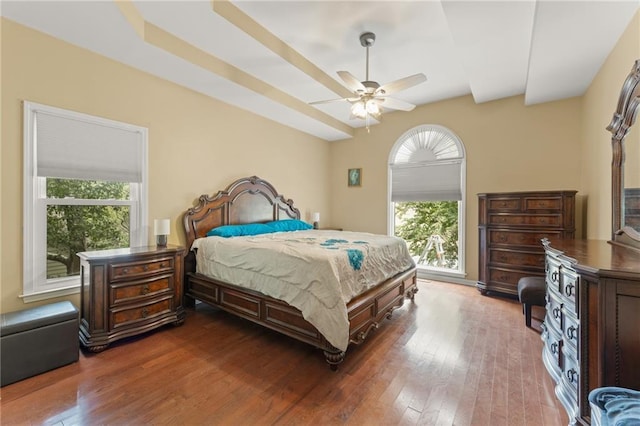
253	200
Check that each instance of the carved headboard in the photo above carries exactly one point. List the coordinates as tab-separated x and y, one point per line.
246	200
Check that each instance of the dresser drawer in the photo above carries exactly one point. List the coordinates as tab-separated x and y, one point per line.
553	275
571	329
507	276
570	372
569	288
516	257
520	238
129	291
539	220
502	204
554	312
127	316
141	268
543	203
552	348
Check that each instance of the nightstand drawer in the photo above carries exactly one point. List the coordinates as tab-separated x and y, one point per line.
131	290
128	316
141	268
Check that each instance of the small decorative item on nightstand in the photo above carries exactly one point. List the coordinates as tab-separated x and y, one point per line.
316	220
161	231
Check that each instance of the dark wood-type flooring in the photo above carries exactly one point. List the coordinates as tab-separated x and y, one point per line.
452	357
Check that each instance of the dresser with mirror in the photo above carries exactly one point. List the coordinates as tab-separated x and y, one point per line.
591	331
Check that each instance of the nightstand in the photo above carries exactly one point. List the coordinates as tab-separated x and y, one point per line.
125	292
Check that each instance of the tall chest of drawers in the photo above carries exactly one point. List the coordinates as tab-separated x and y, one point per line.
125	292
591	331
511	225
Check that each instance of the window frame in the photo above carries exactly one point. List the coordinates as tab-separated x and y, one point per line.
36	286
428	271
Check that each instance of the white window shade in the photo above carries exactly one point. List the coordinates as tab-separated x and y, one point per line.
437	181
73	149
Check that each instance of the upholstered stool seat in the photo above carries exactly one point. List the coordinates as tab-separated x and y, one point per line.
531	292
614	406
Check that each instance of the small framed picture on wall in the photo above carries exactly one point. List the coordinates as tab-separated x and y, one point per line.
354	177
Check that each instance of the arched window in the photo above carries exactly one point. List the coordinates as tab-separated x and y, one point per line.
426	172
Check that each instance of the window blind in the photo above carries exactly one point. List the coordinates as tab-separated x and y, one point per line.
73	149
437	181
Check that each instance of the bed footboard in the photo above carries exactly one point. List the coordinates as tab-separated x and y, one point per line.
365	312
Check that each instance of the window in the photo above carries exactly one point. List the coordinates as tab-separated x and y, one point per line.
426	172
85	188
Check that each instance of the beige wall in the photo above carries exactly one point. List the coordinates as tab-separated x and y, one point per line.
509	147
599	104
196	145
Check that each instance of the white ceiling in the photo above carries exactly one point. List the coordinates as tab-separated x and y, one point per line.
274	57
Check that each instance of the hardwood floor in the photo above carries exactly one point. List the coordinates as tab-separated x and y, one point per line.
452	357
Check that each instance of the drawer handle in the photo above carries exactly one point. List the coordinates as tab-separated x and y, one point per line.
554	277
569	289
145	289
556	313
572	375
145	312
571	332
162	265
125	270
145	268
554	348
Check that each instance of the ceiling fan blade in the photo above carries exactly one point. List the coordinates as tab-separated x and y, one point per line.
352	83
392	103
402	84
328	101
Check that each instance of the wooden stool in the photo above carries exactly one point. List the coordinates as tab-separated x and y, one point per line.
531	292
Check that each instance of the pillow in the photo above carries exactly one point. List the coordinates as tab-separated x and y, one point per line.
227	231
289	225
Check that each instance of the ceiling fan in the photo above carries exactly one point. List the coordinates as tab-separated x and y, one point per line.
369	96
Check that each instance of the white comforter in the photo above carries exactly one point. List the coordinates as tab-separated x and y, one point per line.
316	271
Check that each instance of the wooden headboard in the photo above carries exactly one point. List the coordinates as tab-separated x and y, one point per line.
247	200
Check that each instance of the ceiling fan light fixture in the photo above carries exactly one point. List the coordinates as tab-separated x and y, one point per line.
372	107
369	94
359	110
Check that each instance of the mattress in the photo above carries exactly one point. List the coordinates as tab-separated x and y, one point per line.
316	271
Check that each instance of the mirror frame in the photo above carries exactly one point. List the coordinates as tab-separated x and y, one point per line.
623	118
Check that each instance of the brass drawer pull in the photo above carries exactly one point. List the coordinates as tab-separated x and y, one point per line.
571	332
145	312
145	289
572	375
556	313
554	348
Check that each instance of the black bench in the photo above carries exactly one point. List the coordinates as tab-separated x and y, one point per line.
36	340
